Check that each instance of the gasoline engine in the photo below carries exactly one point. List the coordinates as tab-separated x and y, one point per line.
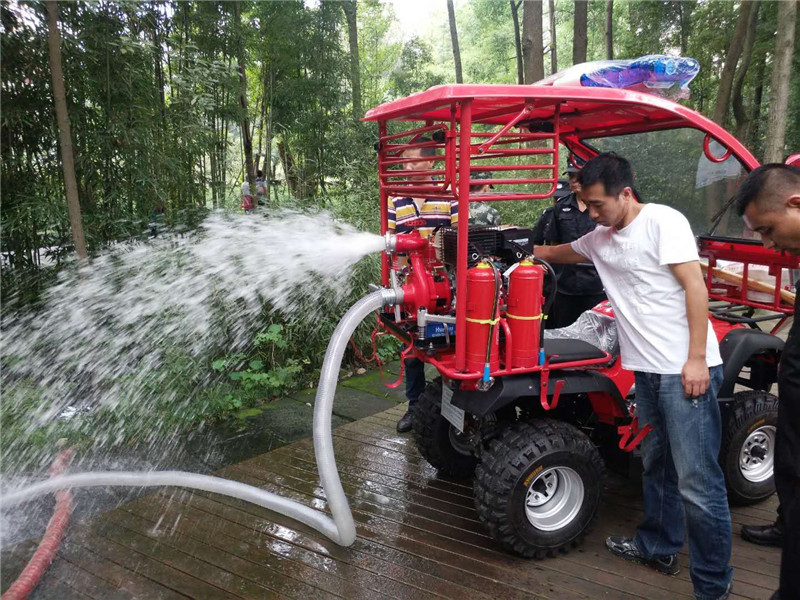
503	302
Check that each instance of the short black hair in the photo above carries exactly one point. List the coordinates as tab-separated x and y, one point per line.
426	150
772	182
259	173
610	169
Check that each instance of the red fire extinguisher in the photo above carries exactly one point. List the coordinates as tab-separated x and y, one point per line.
483	289
524	313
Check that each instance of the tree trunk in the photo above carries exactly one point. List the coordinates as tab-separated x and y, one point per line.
553	45
532	47
349	7
610	29
758	95
268	152
729	68
742	120
212	156
159	69
781	76
64	132
261	121
684	16
288	169
517	41
451	16
580	40
246	139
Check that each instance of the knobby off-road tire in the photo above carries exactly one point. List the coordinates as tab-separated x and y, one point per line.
537	487
747	453
433	436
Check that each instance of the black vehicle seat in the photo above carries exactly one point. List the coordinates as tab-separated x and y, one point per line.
569	350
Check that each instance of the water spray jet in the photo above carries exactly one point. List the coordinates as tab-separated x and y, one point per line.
340	526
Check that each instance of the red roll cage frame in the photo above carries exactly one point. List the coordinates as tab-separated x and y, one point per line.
474	126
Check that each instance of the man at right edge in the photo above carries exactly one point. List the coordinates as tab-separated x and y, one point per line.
769	202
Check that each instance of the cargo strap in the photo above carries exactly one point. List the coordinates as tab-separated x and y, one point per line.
484	321
536	318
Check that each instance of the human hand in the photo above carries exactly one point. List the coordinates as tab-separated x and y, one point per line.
695	377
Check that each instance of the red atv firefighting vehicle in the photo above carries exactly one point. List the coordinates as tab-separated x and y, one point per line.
528	415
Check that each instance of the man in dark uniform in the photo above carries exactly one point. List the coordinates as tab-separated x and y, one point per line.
769	201
579	286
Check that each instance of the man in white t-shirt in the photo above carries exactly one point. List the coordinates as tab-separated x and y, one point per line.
647	258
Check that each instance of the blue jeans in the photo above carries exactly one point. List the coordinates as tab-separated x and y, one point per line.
683	482
415	380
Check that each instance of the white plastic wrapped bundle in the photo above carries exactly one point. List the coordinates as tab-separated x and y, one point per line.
596	326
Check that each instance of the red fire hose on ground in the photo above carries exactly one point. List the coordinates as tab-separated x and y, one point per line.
376	333
45	553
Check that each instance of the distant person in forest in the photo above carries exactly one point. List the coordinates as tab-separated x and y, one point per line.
247	197
261	188
157	219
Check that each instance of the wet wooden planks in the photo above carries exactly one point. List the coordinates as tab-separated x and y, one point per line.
418	538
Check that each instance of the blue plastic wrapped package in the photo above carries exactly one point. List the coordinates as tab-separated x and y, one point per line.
656	73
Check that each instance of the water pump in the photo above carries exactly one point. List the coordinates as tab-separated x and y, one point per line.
502	322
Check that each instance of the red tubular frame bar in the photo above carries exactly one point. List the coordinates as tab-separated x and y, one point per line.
446	363
486	145
415	132
465	145
707	151
392	179
747	254
446	366
384	208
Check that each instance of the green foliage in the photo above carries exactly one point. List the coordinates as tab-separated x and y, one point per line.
266	372
387	348
488	53
378	60
414	71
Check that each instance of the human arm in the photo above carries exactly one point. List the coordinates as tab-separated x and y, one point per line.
562	254
694	375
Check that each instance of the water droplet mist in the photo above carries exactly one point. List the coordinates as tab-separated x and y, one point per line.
120	332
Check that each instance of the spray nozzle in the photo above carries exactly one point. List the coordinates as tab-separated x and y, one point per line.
404	242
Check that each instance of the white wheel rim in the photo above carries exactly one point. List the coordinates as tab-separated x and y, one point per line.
554	498
757	456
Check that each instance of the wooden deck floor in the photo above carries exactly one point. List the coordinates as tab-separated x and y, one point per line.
418	538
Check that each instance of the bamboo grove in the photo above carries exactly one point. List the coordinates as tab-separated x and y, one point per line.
173	104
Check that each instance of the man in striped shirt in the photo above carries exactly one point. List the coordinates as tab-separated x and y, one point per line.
435	213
